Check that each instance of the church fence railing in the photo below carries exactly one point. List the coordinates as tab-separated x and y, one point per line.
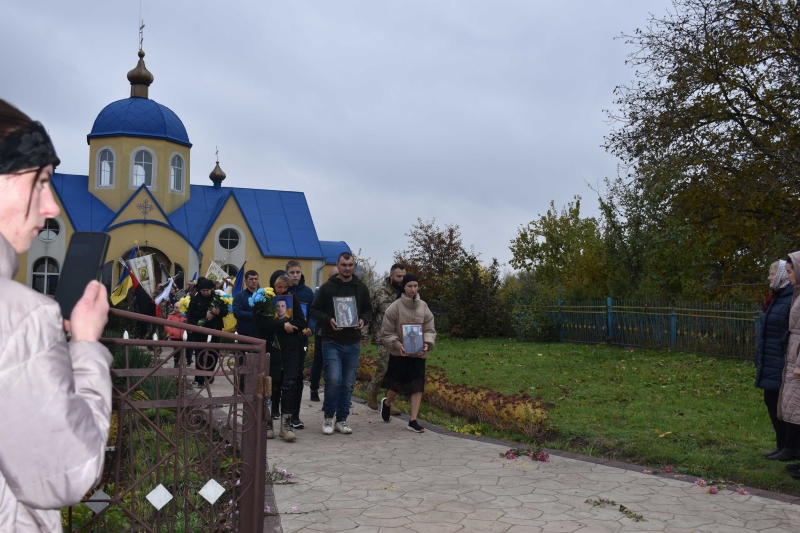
179	458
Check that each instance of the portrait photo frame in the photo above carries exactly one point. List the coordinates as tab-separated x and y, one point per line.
283	306
345	311
412	338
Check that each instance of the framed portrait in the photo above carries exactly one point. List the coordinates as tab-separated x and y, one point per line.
346	311
283	306
413	342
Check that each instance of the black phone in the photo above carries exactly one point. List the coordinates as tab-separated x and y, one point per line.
84	262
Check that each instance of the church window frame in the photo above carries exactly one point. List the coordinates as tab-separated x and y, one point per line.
231	270
144	150
226	237
180	171
45	281
106	168
50	231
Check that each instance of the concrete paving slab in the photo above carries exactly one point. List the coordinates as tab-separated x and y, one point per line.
385	479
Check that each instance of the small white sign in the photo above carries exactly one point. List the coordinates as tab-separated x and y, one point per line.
97	506
159	497
211	491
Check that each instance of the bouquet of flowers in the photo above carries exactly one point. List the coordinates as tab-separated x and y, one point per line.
261	302
221	300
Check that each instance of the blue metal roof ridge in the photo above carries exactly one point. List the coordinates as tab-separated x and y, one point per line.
58	180
170	225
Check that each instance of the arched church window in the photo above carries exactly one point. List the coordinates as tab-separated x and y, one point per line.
231	270
176	173
229	239
50	230
45	275
143	169
106	168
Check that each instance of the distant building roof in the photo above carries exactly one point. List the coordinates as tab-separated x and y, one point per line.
279	221
139	117
332	249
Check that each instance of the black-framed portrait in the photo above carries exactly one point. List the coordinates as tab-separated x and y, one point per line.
413	342
346	312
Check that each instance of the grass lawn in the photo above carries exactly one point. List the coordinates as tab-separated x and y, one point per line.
650	407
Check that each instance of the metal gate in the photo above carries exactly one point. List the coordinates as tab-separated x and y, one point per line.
183	459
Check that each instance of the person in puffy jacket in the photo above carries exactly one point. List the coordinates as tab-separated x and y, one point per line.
789	396
771	347
56	395
405	373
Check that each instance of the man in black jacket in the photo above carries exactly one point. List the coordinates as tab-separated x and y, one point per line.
341	347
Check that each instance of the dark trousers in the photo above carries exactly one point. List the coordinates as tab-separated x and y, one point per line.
787	435
283	372
204	359
177	356
298	391
316	366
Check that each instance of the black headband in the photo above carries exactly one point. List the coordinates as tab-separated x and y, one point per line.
27	148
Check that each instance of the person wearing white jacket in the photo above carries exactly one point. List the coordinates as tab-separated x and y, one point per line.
406	372
55	395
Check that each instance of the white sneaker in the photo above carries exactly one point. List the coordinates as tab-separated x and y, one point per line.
327	426
342	427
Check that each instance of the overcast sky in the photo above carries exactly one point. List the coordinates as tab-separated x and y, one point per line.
477	113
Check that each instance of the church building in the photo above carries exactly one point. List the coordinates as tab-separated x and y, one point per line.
138	189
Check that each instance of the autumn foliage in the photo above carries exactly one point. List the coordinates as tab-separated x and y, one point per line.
515	412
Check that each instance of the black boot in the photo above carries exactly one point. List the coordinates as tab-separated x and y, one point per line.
773	452
785	455
795	475
314	395
794	467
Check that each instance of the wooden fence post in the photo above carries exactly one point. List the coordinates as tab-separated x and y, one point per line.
673	328
610	321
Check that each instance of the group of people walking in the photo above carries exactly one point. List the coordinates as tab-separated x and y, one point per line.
337	350
777	363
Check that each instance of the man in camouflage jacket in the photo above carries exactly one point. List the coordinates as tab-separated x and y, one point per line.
382	298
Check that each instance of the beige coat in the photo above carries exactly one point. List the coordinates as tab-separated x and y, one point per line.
56	405
789	399
406	311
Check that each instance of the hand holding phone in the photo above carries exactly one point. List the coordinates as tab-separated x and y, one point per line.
82	264
90	314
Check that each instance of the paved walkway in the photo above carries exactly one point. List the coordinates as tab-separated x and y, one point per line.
385	479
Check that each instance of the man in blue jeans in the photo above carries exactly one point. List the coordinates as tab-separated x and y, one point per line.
341	346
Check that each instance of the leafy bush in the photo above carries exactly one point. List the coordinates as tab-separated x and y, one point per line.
472	306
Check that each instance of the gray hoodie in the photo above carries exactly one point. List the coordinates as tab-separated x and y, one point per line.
56	401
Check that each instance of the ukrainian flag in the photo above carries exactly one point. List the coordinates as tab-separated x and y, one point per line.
124	284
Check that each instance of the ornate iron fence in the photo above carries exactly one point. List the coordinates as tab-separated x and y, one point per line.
714	328
182	460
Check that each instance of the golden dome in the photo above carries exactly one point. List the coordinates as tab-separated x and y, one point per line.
140	78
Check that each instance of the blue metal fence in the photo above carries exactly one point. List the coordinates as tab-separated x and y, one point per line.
714	328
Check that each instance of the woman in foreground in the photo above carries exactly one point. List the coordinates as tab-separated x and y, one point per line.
56	396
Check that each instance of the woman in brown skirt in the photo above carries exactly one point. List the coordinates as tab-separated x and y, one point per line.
406	372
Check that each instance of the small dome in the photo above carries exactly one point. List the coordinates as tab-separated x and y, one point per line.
139	117
140	75
217	175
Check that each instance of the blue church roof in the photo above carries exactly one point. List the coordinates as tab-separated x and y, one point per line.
332	249
139	117
279	221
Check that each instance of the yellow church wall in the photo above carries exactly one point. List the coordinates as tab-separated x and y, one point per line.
124	238
123	148
132	211
265	266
